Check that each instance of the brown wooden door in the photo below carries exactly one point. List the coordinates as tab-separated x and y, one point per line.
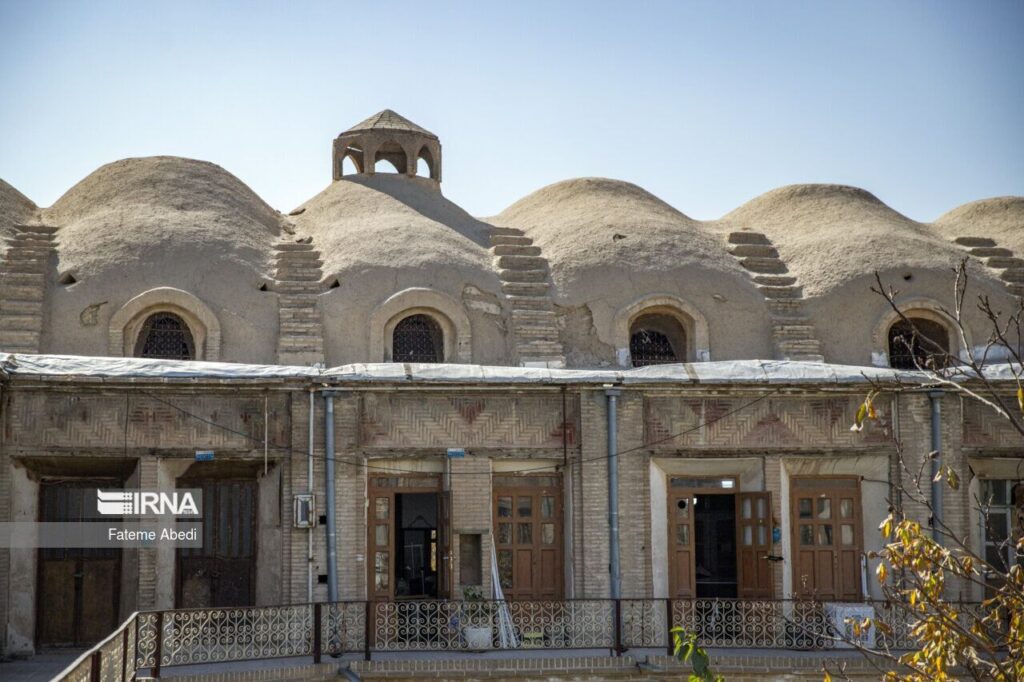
384	526
827	534
681	537
528	535
79	588
754	542
223	571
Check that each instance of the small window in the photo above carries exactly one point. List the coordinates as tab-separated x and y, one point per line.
919	342
999	501
167	337
417	338
656	339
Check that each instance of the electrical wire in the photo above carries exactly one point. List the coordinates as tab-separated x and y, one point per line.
387	469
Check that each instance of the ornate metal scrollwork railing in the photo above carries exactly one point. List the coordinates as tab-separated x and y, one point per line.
155	639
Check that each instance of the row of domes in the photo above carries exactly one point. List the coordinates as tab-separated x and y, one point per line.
158	208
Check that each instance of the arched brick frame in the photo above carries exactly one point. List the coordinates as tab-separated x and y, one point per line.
925	308
445	310
692	320
127	322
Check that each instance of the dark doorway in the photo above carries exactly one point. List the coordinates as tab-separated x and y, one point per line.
416	545
714	520
79	588
223	571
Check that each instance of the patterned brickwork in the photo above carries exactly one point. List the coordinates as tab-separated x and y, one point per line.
395	421
984	428
75	420
148	472
773	484
634	499
815	423
471	512
24	274
592	576
351	474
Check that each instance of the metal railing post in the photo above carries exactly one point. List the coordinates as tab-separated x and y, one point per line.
670	645
367	630
94	666
159	644
618	627
317	633
124	654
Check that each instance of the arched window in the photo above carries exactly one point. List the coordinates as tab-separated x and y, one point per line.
425	164
918	342
417	338
167	337
391	158
656	339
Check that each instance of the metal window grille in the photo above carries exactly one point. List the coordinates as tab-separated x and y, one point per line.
417	338
647	347
917	343
167	337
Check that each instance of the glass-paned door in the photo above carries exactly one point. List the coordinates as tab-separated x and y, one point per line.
827	536
528	535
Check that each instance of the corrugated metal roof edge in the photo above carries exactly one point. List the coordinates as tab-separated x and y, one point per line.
740	372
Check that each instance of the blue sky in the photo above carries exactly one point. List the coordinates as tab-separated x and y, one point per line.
705	104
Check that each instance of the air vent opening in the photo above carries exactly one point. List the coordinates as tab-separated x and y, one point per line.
67	279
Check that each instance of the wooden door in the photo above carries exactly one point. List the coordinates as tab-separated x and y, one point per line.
382	524
79	588
528	535
681	537
827	533
223	571
754	542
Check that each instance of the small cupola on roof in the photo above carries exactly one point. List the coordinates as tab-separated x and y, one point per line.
389	137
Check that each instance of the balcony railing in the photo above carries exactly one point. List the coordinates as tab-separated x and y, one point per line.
152	640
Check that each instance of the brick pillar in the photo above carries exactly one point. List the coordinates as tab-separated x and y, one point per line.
350	495
773	484
470	485
5	554
148	480
592	559
634	499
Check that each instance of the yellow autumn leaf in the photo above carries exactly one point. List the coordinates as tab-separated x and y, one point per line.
1020	398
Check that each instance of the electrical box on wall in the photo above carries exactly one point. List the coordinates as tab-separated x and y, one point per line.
305	511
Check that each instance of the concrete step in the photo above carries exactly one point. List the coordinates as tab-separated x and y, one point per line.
21	322
20	293
520	275
775	280
294	246
525	288
15	307
520	263
1001	262
501	240
745	237
506	232
781	292
1015	275
990	251
754	250
515	250
974	241
768	266
529	302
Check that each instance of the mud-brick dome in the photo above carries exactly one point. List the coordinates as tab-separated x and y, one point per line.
610	243
384	234
388	136
999	220
144	223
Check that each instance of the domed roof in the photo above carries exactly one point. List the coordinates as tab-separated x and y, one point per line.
389	120
15	209
829	235
998	218
587	225
393	222
162	209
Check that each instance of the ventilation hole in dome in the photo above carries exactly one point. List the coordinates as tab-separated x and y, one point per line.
67	279
262	286
334	285
907	277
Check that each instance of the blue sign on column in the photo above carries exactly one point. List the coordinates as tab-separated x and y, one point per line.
456	452
204	455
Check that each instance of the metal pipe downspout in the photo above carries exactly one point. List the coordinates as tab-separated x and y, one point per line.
936	400
613	493
309	480
332	545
